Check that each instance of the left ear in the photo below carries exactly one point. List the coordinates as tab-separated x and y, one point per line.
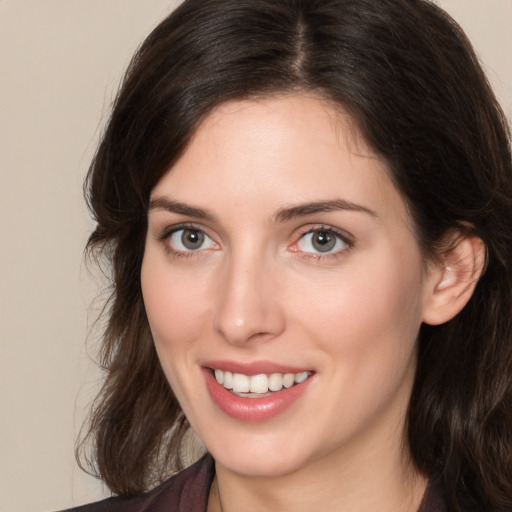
451	281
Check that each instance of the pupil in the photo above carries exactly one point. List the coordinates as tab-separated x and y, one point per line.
323	241
192	239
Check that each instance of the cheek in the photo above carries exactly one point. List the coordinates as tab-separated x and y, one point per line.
176	310
365	324
176	307
369	314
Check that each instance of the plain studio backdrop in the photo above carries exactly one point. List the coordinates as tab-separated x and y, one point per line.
60	64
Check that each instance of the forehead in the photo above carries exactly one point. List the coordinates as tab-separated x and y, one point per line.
277	151
288	115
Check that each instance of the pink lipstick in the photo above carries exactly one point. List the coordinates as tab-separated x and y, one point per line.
254	391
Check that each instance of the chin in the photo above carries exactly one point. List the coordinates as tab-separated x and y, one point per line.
254	455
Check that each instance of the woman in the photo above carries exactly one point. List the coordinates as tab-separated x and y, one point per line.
306	209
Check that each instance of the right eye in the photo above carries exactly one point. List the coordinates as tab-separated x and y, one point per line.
190	240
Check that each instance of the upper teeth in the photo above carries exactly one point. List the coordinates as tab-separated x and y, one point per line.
260	383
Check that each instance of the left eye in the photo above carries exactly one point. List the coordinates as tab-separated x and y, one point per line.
186	240
321	241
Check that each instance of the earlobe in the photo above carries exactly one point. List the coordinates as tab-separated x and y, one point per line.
452	283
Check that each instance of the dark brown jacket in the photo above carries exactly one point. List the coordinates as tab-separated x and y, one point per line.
188	492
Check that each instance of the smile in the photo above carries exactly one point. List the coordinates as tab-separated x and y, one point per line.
256	392
255	386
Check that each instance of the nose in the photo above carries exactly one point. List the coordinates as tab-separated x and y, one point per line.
247	306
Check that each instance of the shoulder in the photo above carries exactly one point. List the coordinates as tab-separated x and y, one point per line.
185	492
433	499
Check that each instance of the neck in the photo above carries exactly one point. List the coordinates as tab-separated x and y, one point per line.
372	484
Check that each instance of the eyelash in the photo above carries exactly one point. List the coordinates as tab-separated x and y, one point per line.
317	256
165	238
342	236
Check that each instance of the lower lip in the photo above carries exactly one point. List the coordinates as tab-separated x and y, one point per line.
253	409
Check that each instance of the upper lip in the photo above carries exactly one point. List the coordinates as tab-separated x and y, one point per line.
252	367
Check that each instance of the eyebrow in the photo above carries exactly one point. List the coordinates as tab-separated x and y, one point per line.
282	215
303	210
163	203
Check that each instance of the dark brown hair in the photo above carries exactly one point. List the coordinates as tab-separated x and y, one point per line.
407	75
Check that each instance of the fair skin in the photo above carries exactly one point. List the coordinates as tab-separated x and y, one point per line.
279	244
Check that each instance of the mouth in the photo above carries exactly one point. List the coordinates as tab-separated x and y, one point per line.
260	385
256	391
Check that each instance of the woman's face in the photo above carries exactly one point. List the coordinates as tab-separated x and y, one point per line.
281	259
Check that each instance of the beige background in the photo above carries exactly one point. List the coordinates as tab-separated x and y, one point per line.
60	62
